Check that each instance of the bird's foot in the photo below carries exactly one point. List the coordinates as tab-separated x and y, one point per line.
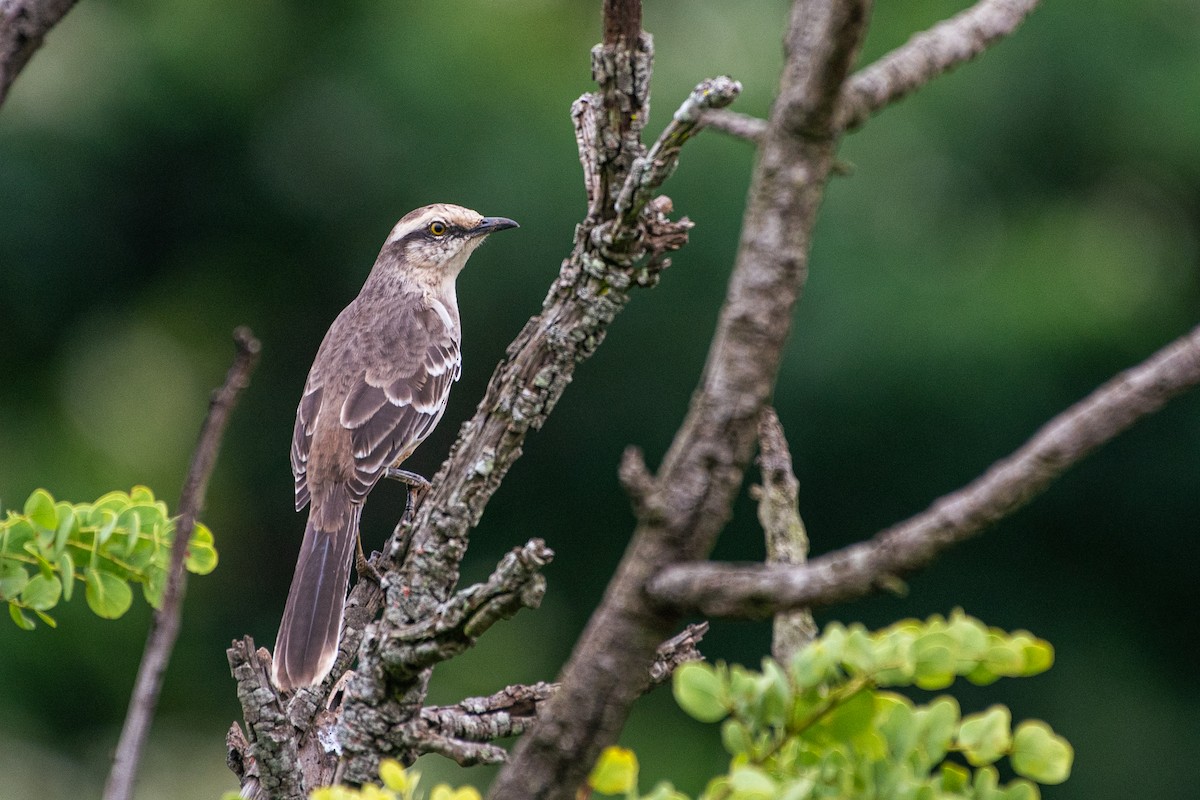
365	570
417	487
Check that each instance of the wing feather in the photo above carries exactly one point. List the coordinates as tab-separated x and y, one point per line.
404	374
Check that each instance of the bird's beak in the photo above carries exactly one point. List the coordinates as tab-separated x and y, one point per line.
492	224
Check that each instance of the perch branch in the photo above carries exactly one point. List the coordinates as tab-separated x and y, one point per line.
23	27
787	541
164	629
703	469
927	55
726	590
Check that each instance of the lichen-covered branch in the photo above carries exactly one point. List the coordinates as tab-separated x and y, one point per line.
23	27
689	500
510	711
265	756
928	54
407	647
757	591
787	541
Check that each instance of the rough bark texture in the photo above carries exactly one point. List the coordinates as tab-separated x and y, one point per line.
757	591
23	27
690	499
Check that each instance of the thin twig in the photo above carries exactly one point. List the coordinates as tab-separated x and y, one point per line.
735	123
23	26
165	627
927	55
757	591
787	541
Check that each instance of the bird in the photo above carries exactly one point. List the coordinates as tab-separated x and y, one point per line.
377	387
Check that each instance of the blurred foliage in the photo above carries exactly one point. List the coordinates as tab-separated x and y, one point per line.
819	727
823	726
120	539
1009	238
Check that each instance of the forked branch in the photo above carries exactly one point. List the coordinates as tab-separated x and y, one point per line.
757	591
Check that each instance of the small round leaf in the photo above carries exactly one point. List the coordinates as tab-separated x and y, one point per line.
107	595
1040	754
986	736
615	772
700	692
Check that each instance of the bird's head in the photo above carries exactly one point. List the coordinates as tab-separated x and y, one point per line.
434	242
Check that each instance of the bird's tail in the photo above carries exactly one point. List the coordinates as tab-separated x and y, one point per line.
312	620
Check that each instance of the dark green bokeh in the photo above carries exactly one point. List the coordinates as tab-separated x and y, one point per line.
1008	239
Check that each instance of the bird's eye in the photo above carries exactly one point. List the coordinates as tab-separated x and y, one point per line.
437	228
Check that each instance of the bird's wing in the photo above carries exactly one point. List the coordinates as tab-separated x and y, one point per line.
393	404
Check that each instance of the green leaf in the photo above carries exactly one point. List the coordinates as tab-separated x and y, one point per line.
811	666
201	555
66	568
110	523
68	524
46	618
42	592
23	622
13	578
141	494
1019	790
937	661
936	725
1040	754
898	723
954	778
751	783
107	595
40	510
1039	657
152	587
615	772
986	736
735	737
700	692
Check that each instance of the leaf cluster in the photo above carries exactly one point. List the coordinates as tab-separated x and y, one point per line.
109	545
825	726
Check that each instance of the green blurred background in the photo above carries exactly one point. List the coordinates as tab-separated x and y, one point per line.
1008	239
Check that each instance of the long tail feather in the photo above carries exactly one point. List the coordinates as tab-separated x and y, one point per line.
312	620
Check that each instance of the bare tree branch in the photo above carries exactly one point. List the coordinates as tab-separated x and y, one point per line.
732	591
164	629
735	123
692	494
23	27
927	55
787	541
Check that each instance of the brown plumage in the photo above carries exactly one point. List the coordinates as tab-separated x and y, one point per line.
376	389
